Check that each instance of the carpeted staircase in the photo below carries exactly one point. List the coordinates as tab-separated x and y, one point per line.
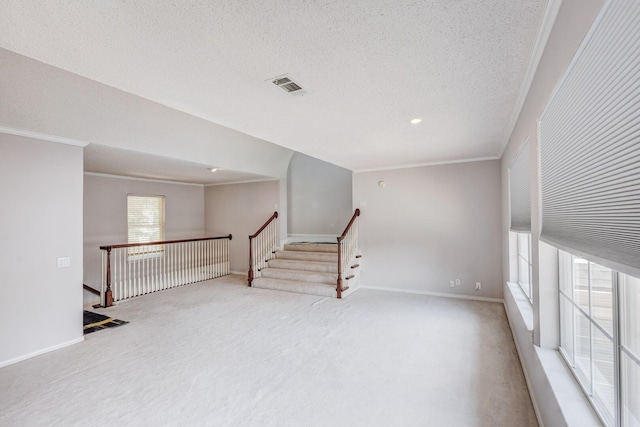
308	268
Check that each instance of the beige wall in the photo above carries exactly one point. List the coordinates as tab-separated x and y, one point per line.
240	209
105	215
40	221
430	225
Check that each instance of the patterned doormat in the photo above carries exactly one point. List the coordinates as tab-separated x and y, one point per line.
94	322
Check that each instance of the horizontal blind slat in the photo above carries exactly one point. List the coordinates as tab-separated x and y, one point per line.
590	144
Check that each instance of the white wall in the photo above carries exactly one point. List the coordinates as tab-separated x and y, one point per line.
319	196
105	215
240	209
430	225
42	98
40	221
559	400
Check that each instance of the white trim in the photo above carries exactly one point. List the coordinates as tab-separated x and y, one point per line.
546	25
241	273
419	165
249	181
534	402
42	136
435	294
39	352
132	178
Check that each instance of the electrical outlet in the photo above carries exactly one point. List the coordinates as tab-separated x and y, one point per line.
457	282
478	286
64	262
452	284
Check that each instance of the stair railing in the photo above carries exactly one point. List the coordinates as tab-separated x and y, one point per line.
133	269
347	250
262	245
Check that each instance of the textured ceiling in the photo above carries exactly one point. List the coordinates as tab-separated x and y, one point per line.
369	66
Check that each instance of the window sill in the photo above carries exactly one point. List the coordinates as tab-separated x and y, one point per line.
525	308
557	398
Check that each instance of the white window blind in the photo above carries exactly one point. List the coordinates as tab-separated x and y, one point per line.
590	144
520	191
145	218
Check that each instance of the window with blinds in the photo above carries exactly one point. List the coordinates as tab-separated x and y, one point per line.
145	217
590	194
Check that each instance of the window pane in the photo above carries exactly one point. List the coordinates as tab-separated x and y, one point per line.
603	374
630	313
523	276
630	377
583	348
566	327
523	246
581	283
565	266
602	296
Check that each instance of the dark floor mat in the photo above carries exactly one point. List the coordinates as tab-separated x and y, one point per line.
94	322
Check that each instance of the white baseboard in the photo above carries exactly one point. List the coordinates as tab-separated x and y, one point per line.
436	294
39	352
241	273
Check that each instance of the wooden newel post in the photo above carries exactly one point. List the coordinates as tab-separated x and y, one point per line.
250	279
339	286
108	295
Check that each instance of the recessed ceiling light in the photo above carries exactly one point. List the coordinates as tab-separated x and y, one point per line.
213	169
415	121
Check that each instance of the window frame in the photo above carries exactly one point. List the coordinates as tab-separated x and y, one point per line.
566	271
528	287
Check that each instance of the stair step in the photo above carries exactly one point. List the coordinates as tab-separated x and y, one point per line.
311	247
298	275
292	264
308	256
301	287
355	266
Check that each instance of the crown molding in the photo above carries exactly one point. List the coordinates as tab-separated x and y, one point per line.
419	165
133	178
544	31
42	136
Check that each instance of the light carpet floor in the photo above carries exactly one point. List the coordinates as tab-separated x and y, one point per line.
219	353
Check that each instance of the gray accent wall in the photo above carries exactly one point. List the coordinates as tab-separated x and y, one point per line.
319	196
105	215
430	225
40	221
240	209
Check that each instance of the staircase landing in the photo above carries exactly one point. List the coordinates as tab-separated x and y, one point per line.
308	268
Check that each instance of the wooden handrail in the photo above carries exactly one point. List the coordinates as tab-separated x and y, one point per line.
274	216
348	227
253	236
108	294
164	242
339	287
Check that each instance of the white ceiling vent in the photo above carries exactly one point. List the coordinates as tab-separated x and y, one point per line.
288	85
